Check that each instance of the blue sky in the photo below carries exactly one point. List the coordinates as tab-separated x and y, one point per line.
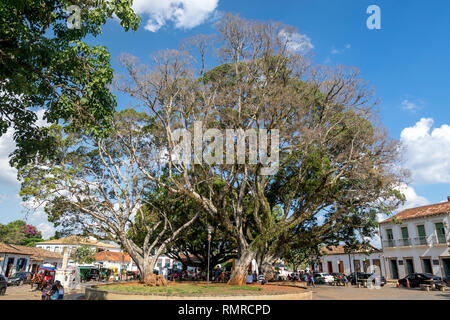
407	62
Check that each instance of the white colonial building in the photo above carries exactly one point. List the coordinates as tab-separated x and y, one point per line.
338	259
73	242
14	258
417	240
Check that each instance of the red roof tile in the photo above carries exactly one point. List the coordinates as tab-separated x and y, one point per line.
112	256
419	212
341	250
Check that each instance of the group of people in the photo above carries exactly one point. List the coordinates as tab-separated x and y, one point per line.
52	291
254	278
216	275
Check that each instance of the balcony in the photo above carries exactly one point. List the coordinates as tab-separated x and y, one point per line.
441	239
404	242
389	243
421	241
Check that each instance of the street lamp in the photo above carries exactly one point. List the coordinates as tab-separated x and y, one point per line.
209	249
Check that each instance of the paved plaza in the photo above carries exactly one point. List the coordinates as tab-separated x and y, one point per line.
320	292
325	292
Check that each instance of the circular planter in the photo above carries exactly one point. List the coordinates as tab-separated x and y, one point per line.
94	293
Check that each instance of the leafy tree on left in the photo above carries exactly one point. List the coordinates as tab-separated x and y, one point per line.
18	232
45	64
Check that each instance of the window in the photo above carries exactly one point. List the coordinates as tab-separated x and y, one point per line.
405	237
422	239
440	232
390	238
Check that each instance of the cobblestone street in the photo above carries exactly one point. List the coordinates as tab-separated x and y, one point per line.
324	292
24	292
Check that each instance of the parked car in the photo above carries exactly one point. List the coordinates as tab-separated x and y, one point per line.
18	278
323	277
357	276
354	276
3	285
416	279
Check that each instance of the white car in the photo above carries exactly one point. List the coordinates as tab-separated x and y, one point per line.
323	278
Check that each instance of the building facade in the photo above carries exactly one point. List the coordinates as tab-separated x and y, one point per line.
14	258
73	242
336	259
417	240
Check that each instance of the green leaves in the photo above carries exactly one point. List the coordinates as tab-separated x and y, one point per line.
46	65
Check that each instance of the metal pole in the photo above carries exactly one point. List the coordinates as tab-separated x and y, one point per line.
209	247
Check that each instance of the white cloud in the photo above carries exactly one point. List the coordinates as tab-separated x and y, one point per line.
412	200
427	152
8	174
337	51
296	42
185	14
408	105
46	229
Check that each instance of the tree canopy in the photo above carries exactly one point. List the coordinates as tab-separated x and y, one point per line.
21	233
45	64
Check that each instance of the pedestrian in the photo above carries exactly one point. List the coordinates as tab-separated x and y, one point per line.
60	290
249	278
222	277
53	293
255	277
312	280
44	291
261	278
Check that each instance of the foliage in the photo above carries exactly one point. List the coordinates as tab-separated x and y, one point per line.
46	64
83	255
335	160
21	233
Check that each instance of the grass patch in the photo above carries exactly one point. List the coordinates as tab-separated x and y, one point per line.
179	289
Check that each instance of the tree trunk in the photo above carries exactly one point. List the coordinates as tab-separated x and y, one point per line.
148	277
241	269
267	267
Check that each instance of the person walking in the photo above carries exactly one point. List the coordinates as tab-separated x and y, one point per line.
60	290
312	280
261	278
53	293
44	291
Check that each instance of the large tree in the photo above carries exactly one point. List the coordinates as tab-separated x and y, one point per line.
96	186
333	156
44	64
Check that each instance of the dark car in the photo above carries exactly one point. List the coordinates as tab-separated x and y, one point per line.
18	278
416	279
447	281
3	285
357	276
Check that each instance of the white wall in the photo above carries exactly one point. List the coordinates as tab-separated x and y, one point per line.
348	262
433	250
4	262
